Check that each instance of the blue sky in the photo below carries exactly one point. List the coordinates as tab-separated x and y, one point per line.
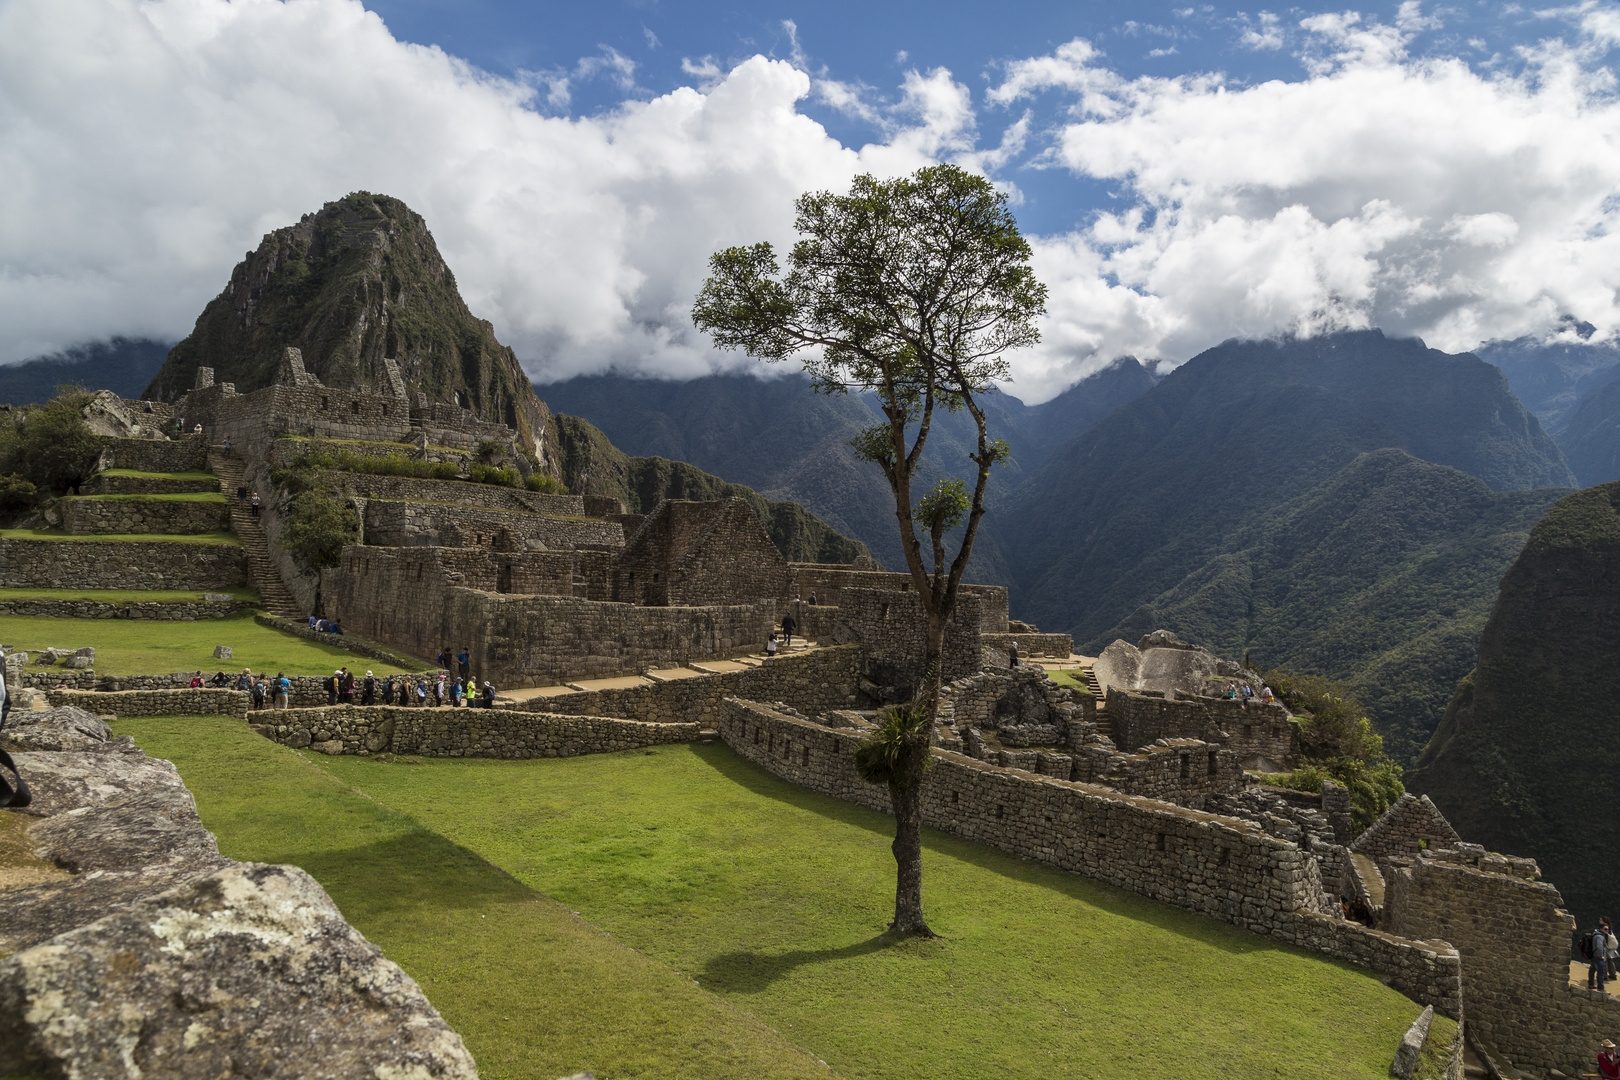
1185	174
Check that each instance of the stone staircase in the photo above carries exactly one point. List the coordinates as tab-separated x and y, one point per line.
262	572
1105	726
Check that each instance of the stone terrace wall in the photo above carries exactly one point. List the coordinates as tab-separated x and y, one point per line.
102	484
1060	646
186	454
186	702
829	582
814	682
1410	824
697	553
541	640
336	641
1181	771
414	524
1215	866
453	492
1140	717
373	587
1514	938
892	627
180	517
108	564
307	691
487	733
97	609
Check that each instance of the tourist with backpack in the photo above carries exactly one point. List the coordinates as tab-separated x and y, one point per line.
368	692
1595	951
332	687
258	692
283	688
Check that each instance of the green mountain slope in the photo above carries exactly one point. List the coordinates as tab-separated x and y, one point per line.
1381	576
358	282
787	442
1591	439
1166	483
1523	761
592	465
1553	378
122	365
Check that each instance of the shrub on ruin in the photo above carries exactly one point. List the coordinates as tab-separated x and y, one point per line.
545	483
503	476
16	494
318	529
53	449
1338	742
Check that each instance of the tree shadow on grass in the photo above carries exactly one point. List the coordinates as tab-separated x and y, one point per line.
745	972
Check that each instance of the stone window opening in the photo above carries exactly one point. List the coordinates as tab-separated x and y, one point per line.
1161	844
1000	810
385	410
756	736
323	403
956	798
354	407
1186	766
1214	763
1222	856
1248	731
807	757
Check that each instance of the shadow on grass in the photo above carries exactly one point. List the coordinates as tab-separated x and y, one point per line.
749	972
1156	913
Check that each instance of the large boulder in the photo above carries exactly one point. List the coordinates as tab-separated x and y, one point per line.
1162	661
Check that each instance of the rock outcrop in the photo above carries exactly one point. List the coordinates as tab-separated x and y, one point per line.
161	957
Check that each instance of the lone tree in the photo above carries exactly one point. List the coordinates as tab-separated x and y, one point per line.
912	288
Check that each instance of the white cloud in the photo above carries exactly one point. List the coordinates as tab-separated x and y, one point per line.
1268	35
1416	196
145	146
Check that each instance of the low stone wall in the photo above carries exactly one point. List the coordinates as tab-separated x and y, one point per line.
464	732
188	453
1219	867
187	702
92	516
1181	771
1514	937
814	682
165	611
391	523
1256	730
306	691
1060	646
828	583
102	484
115	564
338	641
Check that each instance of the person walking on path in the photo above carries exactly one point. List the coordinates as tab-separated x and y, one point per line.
455	693
1595	950
789	624
346	688
368	690
1613	952
255	504
1012	654
283	690
421	693
258	694
388	690
489	694
463	662
332	687
241	494
438	692
770	644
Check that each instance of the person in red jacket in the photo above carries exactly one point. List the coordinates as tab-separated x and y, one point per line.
1608	1060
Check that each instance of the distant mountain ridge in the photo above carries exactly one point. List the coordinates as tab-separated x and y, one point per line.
120	364
779	437
1574	390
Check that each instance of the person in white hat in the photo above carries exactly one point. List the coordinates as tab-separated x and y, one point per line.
1608	1060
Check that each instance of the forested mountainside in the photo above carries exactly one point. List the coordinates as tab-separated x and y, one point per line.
1591	438
353	284
1522	761
592	465
779	437
122	365
1552	379
1381	576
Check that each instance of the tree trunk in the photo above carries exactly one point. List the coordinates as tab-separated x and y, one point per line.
905	794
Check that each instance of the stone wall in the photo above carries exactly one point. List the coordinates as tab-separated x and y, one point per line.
1022	704
1219	867
111	564
414	524
693	554
1142	716
1059	646
892	627
1514	937
186	454
336	641
98	609
443	732
93	516
450	492
1181	771
828	582
1411	824
814	682
102	484
185	702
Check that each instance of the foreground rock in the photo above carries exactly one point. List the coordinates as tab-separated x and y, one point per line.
161	957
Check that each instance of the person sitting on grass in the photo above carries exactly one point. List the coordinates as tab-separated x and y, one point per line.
337	626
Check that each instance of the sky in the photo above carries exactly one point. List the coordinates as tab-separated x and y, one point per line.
1185	174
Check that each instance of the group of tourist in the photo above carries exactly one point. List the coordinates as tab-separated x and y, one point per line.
1600	948
265	691
322	625
409	690
462	660
243	498
1245	693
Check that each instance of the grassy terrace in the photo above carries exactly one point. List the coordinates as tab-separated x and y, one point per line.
136	646
185	496
194	474
703	867
140	538
126	596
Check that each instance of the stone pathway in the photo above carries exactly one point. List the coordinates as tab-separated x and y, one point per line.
262	572
1577	977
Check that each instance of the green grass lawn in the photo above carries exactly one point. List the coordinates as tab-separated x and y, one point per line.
145	538
534	991
195	474
143	647
774	899
126	596
183	496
